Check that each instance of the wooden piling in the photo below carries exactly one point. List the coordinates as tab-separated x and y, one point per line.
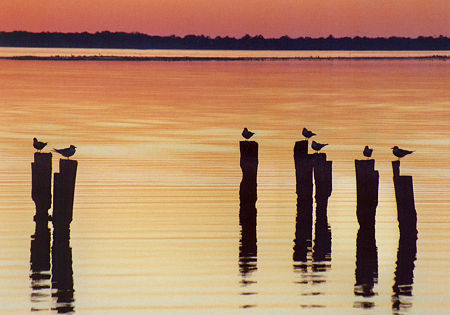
247	209
304	190
248	186
404	195
322	170
41	177
63	191
367	182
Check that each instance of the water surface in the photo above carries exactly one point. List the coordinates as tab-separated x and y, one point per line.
156	214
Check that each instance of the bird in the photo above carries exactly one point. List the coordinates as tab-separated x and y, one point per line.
317	146
400	152
307	133
367	151
66	152
38	145
247	134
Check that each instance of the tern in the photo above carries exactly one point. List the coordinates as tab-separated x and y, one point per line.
367	151
307	133
317	146
400	152
66	152
38	145
247	134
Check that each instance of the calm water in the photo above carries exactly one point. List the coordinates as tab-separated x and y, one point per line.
156	214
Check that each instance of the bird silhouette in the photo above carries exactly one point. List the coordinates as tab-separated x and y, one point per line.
66	152
316	146
307	133
367	151
247	134
38	145
400	152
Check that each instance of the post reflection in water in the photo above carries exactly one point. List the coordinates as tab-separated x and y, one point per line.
247	216
40	267
404	273
62	273
51	284
366	272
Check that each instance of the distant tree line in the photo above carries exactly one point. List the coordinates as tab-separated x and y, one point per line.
142	41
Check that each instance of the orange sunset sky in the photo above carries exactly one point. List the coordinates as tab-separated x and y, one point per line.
270	18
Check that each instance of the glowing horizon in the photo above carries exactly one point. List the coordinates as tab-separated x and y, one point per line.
384	18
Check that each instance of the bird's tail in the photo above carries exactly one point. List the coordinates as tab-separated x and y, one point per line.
55	150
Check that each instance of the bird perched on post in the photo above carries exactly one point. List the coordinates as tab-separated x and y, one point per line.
317	146
247	134
307	133
66	152
400	152
38	145
367	151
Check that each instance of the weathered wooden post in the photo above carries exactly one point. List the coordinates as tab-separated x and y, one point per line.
247	209
323	183
367	181
41	183
63	193
404	195
62	271
304	190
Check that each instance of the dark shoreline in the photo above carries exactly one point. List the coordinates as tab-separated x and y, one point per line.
122	40
132	58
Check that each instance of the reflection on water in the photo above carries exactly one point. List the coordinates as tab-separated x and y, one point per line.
40	267
366	272
51	290
160	167
62	273
404	272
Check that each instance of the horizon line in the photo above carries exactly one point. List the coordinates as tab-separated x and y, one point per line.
260	36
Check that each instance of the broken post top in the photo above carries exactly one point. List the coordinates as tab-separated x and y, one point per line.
396	168
43	158
66	165
369	164
301	149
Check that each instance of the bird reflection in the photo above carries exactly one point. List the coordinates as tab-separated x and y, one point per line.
404	272
40	267
62	273
366	272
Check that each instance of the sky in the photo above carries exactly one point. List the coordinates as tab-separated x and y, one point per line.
270	18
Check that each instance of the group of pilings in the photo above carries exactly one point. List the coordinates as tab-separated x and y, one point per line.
313	170
366	273
62	214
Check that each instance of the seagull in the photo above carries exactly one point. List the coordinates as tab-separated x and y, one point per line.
38	145
367	151
247	134
317	146
67	152
400	152
307	133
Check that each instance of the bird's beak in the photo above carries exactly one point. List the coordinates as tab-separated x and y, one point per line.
392	147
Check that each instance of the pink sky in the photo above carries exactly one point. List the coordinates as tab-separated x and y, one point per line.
274	18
